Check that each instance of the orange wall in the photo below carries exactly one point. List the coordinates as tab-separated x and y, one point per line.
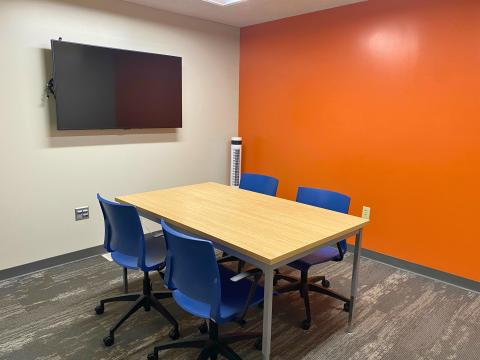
379	100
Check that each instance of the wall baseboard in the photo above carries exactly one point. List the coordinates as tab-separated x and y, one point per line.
421	270
386	259
50	262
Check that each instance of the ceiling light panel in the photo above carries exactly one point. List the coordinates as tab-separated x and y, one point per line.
224	2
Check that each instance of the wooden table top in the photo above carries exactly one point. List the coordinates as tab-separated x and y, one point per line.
266	228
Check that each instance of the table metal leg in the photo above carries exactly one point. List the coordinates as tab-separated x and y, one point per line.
267	312
353	290
125	281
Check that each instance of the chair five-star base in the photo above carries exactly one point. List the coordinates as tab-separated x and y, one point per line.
211	345
146	300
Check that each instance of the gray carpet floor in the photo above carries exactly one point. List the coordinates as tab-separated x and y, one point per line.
49	315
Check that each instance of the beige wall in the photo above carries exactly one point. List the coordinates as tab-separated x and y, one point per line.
45	174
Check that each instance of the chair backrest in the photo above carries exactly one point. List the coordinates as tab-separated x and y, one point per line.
326	199
123	229
262	184
192	268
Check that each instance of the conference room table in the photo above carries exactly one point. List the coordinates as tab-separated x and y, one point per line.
265	231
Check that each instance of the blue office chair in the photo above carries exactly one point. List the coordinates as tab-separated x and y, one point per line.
328	200
258	183
262	184
205	289
129	248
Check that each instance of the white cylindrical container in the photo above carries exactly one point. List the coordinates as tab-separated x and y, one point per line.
235	161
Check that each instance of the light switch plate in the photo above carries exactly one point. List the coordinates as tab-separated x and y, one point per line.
366	212
82	213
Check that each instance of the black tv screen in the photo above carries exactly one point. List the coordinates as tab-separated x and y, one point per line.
102	88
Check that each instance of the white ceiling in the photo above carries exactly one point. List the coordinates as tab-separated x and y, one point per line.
244	13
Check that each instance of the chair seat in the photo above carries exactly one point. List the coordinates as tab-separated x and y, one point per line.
154	253
234	296
320	256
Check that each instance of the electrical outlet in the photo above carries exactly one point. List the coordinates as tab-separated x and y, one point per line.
366	212
82	213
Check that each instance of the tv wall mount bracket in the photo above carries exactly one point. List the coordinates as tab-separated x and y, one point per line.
50	87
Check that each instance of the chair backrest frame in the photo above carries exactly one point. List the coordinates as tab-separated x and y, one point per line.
192	269
259	183
123	230
326	199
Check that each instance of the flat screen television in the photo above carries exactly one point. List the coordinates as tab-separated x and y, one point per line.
102	88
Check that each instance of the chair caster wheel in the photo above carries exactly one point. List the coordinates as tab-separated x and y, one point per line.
99	309
174	334
305	325
203	328
326	283
346	307
152	356
108	340
258	344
